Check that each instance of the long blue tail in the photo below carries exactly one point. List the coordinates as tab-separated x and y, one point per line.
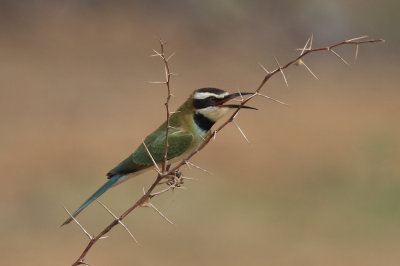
95	195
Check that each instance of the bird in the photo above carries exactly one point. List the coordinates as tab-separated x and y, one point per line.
189	125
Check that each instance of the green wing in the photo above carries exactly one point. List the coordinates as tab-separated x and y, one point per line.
179	142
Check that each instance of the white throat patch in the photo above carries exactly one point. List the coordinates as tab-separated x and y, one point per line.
213	112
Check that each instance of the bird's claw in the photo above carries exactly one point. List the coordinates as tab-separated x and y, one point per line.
175	179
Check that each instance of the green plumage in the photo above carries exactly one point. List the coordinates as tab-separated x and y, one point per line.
178	143
181	138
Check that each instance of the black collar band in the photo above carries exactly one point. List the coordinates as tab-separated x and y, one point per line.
202	122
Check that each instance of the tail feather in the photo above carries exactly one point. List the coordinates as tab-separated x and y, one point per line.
95	195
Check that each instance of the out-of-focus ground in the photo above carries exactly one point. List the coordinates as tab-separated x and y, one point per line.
318	184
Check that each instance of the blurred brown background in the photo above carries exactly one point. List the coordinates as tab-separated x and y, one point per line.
317	185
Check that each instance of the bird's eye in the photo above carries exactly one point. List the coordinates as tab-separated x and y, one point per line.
212	100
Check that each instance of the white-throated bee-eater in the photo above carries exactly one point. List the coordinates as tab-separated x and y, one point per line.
189	125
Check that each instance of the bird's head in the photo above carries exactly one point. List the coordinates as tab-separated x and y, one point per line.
210	102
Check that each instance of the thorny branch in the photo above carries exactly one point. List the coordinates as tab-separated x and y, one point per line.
163	173
166	171
167	83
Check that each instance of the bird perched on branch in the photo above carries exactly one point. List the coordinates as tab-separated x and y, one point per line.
189	125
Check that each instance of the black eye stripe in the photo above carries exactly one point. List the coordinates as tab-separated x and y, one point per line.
203	103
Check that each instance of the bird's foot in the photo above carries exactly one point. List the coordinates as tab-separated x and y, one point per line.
175	179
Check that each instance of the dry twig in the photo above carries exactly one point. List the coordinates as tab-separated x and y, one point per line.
167	82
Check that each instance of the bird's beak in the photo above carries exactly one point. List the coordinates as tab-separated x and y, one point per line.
234	95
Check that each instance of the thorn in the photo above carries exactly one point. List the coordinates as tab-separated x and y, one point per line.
174	112
280	70
304	48
311	39
215	134
76	221
196	166
156	53
240	130
252	96
81	262
169	57
149	204
154	162
356	55
301	49
166	74
237	100
119	221
241	96
263	68
161	191
270	98
187	164
157	82
357	38
341	58
309	70
189	178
